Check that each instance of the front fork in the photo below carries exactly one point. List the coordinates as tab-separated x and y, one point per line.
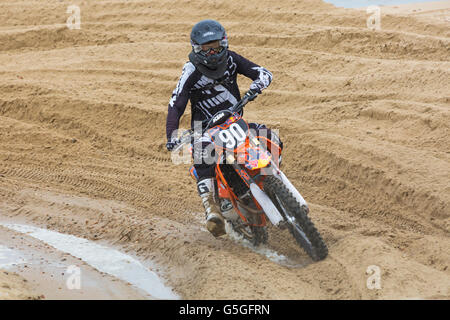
280	175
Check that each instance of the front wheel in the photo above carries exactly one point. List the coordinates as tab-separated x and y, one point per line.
300	226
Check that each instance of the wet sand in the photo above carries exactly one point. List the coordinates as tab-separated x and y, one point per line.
49	273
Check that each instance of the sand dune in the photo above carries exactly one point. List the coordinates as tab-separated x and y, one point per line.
364	115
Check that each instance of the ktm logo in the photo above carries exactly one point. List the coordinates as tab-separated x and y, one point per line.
218	117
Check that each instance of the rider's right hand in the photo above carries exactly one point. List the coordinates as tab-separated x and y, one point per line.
170	145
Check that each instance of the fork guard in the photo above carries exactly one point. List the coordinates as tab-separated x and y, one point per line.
280	175
264	201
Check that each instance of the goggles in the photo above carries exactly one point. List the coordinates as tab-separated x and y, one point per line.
222	45
211	51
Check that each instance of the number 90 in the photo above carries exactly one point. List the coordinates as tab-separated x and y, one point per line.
233	136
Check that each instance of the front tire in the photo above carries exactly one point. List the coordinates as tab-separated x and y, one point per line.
300	226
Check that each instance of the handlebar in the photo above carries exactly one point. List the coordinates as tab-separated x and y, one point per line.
236	108
187	135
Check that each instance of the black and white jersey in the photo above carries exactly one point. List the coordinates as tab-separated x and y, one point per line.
206	95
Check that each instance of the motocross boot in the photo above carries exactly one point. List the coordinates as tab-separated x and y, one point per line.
214	219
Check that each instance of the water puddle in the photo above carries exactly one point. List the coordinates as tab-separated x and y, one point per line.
10	258
100	257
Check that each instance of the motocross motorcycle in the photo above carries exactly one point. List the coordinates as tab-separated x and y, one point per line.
248	175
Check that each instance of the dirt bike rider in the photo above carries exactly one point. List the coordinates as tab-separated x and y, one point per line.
208	80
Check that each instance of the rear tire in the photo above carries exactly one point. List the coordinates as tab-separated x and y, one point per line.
255	235
303	230
261	235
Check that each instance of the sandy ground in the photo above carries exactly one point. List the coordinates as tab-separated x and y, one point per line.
364	115
14	287
426	12
433	9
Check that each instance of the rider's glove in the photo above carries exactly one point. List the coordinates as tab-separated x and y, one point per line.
252	94
170	145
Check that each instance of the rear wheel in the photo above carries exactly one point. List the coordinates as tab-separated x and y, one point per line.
300	226
256	235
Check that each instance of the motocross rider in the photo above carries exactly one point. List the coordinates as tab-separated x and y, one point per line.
208	80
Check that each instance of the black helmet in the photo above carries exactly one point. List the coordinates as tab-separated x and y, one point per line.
211	65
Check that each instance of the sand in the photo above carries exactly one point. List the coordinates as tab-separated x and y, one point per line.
435	8
432	12
14	287
364	116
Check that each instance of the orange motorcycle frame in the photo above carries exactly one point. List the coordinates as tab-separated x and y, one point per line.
247	174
